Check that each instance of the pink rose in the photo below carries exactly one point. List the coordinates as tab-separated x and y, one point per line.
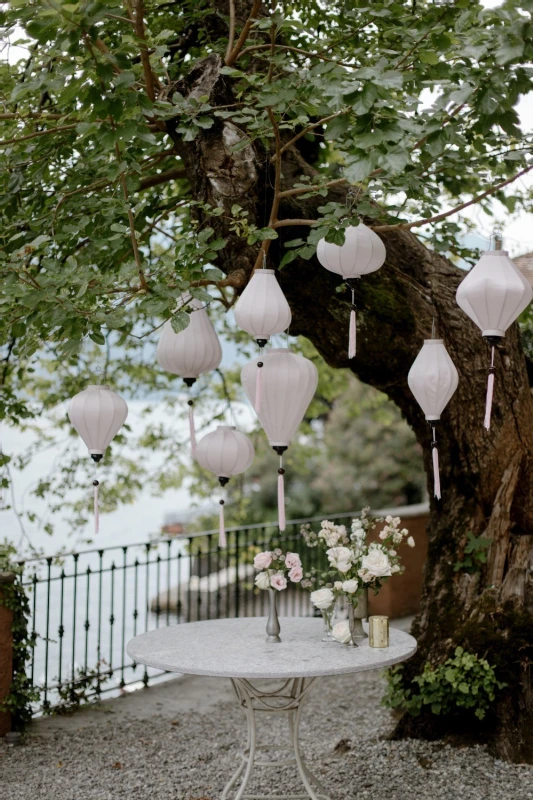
296	574
292	560
263	560
278	581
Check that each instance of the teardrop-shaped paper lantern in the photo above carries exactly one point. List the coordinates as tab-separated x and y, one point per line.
226	452
494	294
262	309
433	379
190	352
362	252
97	413
289	382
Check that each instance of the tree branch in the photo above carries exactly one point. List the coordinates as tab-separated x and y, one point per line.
438	217
162	177
38	133
231	37
150	79
310	128
233	56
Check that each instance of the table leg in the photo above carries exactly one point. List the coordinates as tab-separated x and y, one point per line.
285	699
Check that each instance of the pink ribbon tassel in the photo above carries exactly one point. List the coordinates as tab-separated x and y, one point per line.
281	502
352	335
436	473
488	403
96	509
258	389
221	526
192	430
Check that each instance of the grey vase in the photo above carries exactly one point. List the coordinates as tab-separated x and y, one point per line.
273	627
356	615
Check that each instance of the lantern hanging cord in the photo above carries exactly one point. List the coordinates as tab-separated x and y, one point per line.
221	522
435	456
259	384
490	391
281	495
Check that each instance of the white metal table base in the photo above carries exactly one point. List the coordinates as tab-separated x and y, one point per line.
285	699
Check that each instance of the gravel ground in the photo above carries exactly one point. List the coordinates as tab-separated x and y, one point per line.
189	755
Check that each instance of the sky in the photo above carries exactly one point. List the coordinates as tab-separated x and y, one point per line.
135	523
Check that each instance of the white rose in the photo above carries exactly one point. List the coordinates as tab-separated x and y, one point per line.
337	555
262	581
350	587
411	541
376	563
330	537
338	585
383	535
343	566
341	632
322	598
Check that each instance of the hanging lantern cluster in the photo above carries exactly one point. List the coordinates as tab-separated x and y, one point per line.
494	294
190	352
433	380
363	252
97	414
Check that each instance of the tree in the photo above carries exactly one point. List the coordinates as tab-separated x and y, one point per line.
145	145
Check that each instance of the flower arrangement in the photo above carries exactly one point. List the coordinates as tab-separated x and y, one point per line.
355	564
276	567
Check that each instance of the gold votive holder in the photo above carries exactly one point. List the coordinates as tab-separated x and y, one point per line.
378	631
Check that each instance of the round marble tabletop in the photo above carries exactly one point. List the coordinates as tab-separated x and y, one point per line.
236	648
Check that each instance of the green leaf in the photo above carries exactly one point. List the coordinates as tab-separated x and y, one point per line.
428	57
180	321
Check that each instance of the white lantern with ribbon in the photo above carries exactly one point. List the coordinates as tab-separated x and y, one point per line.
494	294
97	413
289	383
226	452
433	380
262	311
362	252
190	352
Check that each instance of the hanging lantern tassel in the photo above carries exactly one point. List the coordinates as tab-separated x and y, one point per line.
221	522
192	429
96	484
436	471
490	392
258	384
353	327
281	495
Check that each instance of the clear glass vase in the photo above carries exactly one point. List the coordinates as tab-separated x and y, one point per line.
328	615
356	614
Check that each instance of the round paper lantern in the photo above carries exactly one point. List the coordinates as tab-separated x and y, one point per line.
262	309
97	413
433	379
226	452
190	352
362	252
493	294
289	383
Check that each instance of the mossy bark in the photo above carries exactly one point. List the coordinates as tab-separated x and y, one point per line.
486	475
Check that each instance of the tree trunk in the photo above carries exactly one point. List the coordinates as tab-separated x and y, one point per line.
486	475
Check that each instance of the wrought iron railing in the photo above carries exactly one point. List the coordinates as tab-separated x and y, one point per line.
87	605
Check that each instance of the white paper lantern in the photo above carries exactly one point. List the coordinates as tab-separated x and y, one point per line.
433	379
190	352
362	252
226	452
262	309
493	294
97	413
289	382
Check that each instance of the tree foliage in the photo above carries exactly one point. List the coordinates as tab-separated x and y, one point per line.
413	106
